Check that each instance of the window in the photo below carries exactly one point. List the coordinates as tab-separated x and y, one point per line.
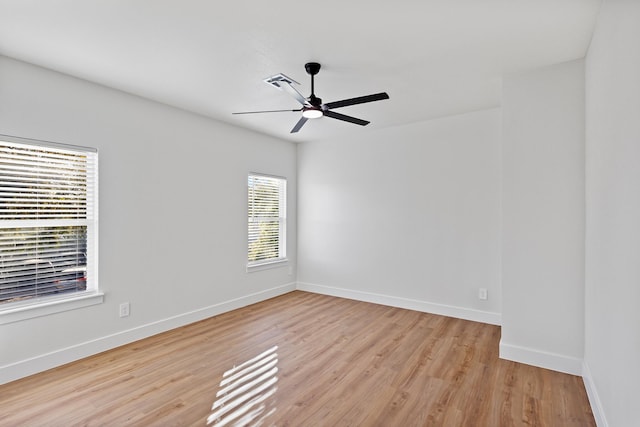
267	219
48	223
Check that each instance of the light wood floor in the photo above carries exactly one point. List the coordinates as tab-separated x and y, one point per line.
340	363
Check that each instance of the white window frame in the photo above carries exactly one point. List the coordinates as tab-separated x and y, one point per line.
282	220
46	305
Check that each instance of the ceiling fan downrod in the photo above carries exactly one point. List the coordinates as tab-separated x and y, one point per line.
312	69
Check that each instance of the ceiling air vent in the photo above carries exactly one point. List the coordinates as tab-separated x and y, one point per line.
276	80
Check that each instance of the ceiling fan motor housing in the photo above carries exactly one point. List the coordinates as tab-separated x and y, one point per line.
315	101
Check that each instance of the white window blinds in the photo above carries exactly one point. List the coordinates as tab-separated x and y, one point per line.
267	219
48	223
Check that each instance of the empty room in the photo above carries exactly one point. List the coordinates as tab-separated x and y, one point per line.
318	214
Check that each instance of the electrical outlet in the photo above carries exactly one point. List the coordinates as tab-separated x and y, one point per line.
482	293
124	309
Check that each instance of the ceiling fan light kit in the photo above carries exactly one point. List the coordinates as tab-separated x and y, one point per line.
312	113
312	107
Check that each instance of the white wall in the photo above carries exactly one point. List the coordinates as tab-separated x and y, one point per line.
612	347
543	217
172	213
406	216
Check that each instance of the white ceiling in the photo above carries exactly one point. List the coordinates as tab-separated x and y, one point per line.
433	57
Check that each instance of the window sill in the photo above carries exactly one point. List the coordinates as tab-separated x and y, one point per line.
32	309
267	265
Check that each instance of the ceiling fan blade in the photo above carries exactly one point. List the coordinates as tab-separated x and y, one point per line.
359	100
349	119
298	125
267	111
293	92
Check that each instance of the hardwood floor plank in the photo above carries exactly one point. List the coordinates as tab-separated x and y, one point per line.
340	363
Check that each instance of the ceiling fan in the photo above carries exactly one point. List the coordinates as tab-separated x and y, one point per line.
312	107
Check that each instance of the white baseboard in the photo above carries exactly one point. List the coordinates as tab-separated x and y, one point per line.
594	399
409	304
60	357
541	359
